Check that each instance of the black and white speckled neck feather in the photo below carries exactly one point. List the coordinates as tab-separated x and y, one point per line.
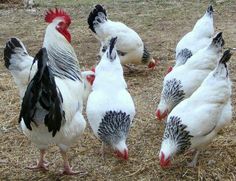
176	131
183	56
114	127
146	55
173	91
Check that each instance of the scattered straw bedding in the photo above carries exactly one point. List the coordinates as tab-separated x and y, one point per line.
156	23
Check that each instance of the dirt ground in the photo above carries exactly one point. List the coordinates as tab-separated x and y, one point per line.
161	24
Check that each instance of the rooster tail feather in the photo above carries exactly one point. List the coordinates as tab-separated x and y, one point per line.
97	15
42	90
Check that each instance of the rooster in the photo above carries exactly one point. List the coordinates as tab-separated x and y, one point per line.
110	108
130	46
53	99
182	81
195	121
198	38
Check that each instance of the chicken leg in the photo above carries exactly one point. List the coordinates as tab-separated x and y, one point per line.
41	163
193	163
67	169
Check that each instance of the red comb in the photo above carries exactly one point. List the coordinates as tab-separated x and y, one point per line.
52	14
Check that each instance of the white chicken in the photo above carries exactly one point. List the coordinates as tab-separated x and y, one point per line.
198	38
182	81
194	123
130	46
110	108
19	62
53	101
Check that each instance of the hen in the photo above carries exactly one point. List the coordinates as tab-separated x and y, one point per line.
110	108
182	81
130	46
198	38
195	121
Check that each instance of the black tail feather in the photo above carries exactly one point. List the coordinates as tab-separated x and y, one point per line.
210	9
218	40
42	90
226	57
9	49
111	52
97	15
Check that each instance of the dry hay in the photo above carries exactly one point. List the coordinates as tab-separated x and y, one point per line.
11	1
161	25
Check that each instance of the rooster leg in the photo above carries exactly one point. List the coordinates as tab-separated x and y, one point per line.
193	163
41	163
67	169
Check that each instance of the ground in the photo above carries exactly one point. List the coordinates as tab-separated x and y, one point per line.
160	24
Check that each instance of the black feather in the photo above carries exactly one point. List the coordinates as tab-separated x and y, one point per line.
226	57
42	90
146	55
10	49
218	40
97	15
210	9
111	53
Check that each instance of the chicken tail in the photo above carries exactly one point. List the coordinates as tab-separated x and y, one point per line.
222	68
97	15
218	40
226	57
210	10
111	54
42	90
13	47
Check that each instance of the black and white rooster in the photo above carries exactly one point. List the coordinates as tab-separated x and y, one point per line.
183	80
51	111
130	46
194	123
198	38
110	108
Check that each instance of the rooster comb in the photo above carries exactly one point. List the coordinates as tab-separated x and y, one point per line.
51	14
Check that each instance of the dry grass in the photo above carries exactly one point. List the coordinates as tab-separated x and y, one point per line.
160	24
